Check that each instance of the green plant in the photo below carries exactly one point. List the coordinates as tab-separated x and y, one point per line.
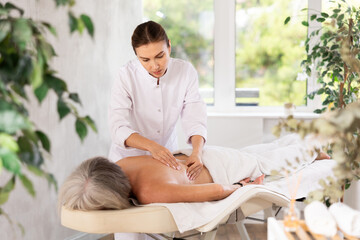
335	58
337	65
25	55
339	129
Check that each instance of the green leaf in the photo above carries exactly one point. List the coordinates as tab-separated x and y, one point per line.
10	185
46	50
80	26
27	184
4	196
24	68
8	142
31	135
41	92
25	145
81	129
73	22
305	23
51	180
325	15
45	142
62	108
10	161
58	85
311	96
22	229
91	123
287	20
5	28
333	47
10	6
4	12
35	170
5	191
20	90
313	17
36	77
341	17
61	2
75	97
51	29
11	120
22	33
29	152
88	24
320	19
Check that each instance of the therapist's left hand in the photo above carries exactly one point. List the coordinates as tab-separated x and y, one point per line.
195	166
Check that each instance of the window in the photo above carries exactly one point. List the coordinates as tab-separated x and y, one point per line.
268	53
243	52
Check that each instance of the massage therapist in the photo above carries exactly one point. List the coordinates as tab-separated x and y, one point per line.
149	95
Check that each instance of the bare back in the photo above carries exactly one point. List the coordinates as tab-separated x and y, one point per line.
146	170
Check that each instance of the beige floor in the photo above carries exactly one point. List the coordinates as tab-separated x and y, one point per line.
229	232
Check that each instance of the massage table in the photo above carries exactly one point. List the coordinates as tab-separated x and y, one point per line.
226	166
153	219
158	219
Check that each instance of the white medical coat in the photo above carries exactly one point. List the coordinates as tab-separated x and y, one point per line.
139	105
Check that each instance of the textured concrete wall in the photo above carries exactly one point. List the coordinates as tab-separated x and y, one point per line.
88	66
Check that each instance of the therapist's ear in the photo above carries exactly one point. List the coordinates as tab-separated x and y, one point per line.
169	47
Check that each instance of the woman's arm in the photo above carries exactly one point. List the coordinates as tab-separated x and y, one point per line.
173	193
157	151
193	116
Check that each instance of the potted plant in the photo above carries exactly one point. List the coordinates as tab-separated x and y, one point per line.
335	57
335	60
25	69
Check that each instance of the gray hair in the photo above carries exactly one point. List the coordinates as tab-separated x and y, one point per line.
95	185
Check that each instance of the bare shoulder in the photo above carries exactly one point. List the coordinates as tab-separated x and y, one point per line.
133	160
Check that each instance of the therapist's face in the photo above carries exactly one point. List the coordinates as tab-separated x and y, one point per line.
154	57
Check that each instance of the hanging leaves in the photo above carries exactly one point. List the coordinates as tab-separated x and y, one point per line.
81	128
339	129
88	24
25	64
335	58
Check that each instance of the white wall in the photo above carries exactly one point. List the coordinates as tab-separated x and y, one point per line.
87	65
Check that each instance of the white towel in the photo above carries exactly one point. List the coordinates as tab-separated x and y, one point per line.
227	165
188	216
319	220
347	218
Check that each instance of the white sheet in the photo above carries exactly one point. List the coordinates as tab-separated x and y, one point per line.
229	165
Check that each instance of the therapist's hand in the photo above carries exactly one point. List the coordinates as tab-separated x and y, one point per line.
164	156
195	166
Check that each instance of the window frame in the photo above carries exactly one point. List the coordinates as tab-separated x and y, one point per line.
224	64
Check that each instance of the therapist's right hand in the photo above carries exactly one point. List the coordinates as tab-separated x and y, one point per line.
164	156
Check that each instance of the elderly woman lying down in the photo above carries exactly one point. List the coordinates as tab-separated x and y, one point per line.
100	184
